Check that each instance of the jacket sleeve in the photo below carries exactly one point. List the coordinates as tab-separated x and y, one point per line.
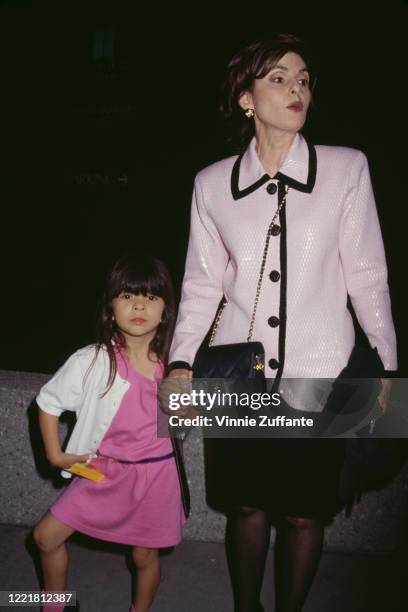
206	262
64	391
364	264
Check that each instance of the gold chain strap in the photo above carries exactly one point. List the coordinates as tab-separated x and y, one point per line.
217	320
261	273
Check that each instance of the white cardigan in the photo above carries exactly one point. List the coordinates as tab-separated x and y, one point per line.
71	388
328	246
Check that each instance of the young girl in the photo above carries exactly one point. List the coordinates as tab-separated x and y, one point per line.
112	388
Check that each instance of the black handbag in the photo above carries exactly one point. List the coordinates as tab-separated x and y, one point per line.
231	361
239	366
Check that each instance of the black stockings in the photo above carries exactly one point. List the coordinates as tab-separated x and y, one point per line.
297	553
247	542
298	548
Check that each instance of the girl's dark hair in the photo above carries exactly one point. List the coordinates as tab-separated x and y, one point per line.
252	62
136	274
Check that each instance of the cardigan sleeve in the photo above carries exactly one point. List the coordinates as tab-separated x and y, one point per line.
364	263
206	262
64	391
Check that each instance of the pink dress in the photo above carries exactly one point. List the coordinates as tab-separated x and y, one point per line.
136	503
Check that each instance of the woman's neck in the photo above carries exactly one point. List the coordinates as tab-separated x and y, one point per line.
272	147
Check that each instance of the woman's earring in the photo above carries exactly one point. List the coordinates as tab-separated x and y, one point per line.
249	113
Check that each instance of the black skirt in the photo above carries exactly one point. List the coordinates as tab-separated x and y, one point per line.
297	477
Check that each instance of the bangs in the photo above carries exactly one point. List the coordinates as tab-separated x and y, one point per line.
137	286
137	276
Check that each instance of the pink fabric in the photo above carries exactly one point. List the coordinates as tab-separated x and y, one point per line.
136	504
334	249
133	432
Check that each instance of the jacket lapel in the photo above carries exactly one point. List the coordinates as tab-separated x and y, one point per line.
298	171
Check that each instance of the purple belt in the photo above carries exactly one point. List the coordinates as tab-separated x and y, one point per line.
147	460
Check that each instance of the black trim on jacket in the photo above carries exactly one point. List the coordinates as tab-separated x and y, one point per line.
179	365
236	193
283	283
307	187
311	177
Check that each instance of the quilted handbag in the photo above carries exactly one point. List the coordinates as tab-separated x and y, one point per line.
238	367
240	360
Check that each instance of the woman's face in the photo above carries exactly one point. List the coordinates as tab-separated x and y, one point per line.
281	98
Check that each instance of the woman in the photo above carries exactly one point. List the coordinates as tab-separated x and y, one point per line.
326	246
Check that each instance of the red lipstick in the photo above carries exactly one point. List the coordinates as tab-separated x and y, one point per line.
296	106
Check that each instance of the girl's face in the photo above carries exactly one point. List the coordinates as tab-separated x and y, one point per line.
137	315
281	98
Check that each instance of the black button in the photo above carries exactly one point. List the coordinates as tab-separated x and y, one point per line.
276	230
274	364
271	188
273	321
274	276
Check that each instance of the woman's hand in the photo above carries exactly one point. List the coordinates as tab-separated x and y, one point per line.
384	396
66	460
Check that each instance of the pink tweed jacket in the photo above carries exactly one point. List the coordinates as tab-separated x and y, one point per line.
327	246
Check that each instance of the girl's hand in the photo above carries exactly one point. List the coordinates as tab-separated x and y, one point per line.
65	460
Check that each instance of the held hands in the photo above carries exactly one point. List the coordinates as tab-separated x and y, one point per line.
176	384
65	460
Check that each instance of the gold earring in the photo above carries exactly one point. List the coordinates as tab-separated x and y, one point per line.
249	113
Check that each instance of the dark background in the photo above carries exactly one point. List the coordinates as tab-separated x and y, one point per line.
107	113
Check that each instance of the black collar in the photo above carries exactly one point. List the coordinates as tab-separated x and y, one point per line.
301	153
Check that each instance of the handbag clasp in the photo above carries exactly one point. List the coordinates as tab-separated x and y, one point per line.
258	366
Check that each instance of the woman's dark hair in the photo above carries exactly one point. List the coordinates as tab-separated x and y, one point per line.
137	274
252	62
